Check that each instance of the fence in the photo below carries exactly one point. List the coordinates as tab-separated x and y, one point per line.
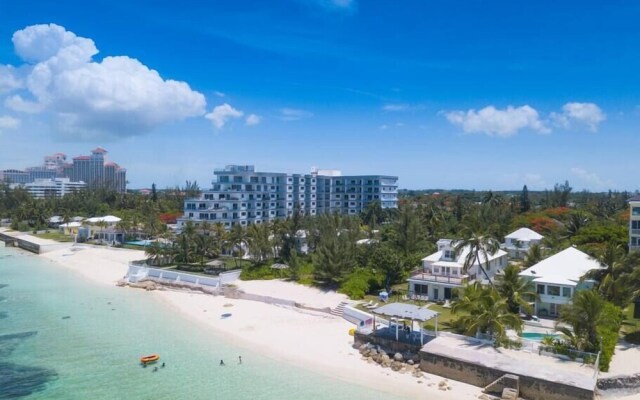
139	271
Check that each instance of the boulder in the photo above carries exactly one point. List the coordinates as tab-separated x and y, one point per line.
396	365
398	357
410	362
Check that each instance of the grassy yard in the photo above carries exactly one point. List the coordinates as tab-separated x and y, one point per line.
630	327
55	235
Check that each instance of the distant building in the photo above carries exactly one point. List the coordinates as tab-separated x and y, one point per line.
634	223
57	187
240	195
518	243
442	271
14	176
96	172
93	171
558	277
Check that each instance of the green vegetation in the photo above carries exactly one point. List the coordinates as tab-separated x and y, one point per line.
337	258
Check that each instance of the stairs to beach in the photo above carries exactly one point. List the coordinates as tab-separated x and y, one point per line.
339	309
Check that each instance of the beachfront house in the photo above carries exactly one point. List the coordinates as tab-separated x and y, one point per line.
442	272
518	243
634	223
558	277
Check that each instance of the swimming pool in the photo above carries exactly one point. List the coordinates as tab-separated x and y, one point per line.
140	242
537	336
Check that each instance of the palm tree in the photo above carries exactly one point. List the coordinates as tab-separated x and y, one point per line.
478	246
155	253
485	311
517	290
534	255
614	282
587	314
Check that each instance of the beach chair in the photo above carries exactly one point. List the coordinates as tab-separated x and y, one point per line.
367	304
373	306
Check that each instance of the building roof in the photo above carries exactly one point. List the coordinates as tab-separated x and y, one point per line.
107	218
406	311
634	198
564	268
99	150
524	234
71	225
436	258
82	158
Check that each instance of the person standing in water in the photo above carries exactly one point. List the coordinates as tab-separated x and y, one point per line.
222	363
239	359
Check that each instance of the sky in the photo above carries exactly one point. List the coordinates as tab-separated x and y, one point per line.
444	94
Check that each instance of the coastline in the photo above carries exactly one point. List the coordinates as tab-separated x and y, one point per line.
316	342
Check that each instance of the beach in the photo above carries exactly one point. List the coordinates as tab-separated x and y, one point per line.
313	341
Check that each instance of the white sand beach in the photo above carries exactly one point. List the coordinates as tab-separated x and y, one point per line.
314	341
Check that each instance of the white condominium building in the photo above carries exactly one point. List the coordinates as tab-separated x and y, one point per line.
634	224
56	187
240	195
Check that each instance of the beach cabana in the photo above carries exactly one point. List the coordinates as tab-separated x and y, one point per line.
410	312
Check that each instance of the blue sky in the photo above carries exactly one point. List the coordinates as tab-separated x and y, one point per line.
444	94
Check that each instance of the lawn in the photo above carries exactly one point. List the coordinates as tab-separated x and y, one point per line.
55	235
630	328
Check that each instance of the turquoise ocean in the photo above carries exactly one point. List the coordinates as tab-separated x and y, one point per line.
64	337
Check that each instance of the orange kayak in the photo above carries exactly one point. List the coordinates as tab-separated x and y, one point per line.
149	359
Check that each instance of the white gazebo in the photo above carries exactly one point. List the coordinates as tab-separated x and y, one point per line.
410	312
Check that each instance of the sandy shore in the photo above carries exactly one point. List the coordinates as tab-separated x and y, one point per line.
314	341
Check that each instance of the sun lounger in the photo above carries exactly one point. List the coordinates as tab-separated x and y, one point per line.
372	306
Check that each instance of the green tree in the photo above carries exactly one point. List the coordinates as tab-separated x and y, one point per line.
518	291
479	247
484	311
588	314
525	203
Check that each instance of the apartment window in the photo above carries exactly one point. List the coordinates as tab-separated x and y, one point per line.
635	211
313	204
553	290
235	215
289	196
190	215
258	213
540	289
635	225
566	292
258	204
289	204
242	214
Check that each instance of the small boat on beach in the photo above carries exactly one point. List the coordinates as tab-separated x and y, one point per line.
149	359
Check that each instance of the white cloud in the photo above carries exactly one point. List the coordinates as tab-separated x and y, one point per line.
9	79
7	122
116	97
333	5
582	113
591	179
395	107
219	94
293	114
383	127
253	119
221	114
496	122
17	103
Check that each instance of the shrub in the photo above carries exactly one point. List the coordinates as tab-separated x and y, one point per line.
260	272
609	341
358	283
633	337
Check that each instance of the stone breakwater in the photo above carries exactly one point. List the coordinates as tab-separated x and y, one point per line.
619	382
404	363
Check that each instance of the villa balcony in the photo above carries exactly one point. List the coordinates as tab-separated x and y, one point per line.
421	275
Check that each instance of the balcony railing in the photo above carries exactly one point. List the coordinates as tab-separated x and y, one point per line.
452	280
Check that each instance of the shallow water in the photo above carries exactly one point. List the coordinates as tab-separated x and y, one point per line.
94	352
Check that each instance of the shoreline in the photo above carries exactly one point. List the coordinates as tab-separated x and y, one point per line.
315	342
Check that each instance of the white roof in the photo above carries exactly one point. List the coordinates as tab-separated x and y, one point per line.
71	225
107	218
406	311
564	268
55	219
524	234
459	262
366	241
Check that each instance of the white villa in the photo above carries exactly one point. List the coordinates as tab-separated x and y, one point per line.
558	277
518	243
441	272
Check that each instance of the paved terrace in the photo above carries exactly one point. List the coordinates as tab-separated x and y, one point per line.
512	361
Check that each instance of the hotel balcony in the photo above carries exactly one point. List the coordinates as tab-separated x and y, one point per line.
422	275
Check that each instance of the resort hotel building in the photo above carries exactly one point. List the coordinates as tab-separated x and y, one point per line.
634	224
55	187
241	195
93	171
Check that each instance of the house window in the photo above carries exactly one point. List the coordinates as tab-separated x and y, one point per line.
566	292
421	289
553	290
635	211
540	289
